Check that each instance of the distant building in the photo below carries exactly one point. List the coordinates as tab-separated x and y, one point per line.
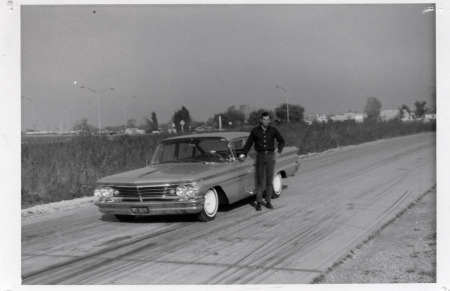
430	114
338	117
311	117
133	131
167	128
408	116
389	114
321	118
357	117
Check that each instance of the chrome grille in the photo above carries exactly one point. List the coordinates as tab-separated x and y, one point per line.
146	193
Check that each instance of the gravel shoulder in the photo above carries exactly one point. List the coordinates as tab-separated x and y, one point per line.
55	207
402	251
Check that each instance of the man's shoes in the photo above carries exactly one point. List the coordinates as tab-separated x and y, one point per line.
258	207
269	205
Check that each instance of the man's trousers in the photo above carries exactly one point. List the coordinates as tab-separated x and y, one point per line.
265	163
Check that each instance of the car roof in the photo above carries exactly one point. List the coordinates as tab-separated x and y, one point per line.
227	135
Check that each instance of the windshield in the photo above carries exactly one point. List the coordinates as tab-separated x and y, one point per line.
193	150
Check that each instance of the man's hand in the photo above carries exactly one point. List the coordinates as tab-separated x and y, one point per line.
277	154
241	157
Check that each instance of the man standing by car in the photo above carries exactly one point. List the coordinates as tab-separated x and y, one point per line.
264	136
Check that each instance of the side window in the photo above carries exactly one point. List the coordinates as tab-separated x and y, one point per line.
217	147
197	152
251	152
237	145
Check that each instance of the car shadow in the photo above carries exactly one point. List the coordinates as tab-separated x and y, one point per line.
179	217
246	201
153	219
251	200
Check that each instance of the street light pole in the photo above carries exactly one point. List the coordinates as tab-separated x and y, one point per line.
287	102
124	118
97	93
32	103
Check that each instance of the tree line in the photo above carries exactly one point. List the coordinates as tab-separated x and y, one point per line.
235	117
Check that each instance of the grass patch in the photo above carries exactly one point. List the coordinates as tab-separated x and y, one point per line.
68	168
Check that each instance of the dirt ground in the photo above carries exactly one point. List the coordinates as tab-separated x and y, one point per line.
403	251
331	228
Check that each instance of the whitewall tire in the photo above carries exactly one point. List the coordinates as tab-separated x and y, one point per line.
277	185
210	207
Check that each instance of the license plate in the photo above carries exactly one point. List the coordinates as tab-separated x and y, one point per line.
139	209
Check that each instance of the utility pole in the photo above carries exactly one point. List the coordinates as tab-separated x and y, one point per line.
33	113
97	93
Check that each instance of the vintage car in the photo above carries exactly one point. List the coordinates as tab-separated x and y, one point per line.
190	174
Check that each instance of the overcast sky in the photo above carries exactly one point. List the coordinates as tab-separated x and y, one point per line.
329	58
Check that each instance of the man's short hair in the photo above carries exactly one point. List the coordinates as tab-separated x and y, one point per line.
264	114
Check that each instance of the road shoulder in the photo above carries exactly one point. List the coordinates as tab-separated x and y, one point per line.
402	251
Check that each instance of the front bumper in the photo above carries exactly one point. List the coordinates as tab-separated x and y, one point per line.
154	207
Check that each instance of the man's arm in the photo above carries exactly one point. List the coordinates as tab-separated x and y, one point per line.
249	143
280	141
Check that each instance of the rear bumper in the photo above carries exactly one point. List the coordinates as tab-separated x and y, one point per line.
154	208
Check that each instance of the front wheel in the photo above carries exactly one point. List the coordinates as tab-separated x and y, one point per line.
277	185
211	206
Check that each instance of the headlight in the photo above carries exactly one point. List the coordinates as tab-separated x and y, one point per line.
105	192
181	191
191	190
188	190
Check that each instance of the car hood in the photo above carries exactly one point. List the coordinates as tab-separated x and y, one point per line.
164	173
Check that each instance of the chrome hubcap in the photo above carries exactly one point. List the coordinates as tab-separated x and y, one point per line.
210	203
277	184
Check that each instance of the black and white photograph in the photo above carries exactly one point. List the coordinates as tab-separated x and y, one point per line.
229	145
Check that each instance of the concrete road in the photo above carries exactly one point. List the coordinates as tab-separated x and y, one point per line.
336	200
